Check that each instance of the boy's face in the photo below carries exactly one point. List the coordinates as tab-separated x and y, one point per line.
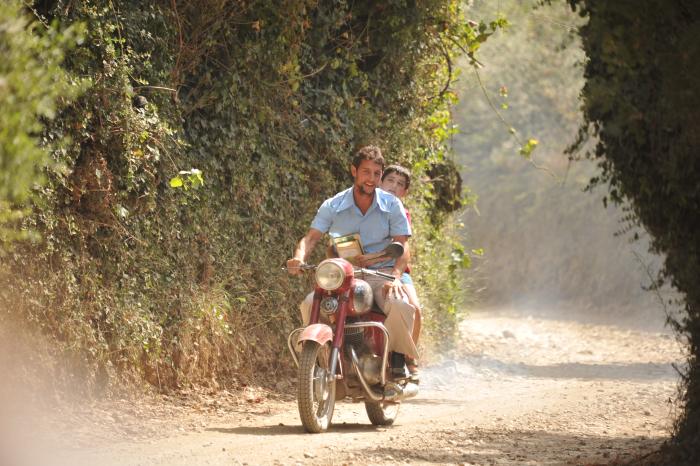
394	183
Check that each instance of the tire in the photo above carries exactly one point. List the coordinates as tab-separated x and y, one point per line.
382	413
316	396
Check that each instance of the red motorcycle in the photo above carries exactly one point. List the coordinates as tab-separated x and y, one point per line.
344	351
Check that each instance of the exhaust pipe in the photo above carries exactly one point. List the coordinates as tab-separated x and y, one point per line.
374	396
395	392
392	390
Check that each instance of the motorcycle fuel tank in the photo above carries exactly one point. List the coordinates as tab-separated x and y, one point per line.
361	298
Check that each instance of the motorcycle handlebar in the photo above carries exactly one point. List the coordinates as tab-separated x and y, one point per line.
302	267
377	273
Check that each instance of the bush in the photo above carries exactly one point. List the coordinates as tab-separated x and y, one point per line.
255	109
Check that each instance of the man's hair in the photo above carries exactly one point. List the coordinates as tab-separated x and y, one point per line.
398	169
372	153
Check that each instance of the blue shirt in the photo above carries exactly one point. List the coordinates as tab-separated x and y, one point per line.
385	218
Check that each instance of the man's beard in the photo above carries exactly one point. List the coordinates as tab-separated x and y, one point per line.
363	190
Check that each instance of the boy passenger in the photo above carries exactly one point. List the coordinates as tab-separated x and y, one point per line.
396	180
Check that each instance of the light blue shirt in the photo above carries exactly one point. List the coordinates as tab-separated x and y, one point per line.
385	218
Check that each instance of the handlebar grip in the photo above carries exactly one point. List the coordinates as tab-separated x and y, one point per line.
388	276
377	273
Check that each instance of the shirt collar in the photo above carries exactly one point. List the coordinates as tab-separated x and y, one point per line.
381	199
346	201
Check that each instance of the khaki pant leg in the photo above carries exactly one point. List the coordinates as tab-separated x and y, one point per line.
399	320
305	308
412	295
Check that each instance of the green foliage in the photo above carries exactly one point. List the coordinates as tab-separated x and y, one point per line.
641	101
441	260
33	86
530	145
184	285
187	179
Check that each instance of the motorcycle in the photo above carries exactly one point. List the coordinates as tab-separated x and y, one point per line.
344	351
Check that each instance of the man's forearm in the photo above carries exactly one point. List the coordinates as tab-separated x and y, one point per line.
307	244
301	251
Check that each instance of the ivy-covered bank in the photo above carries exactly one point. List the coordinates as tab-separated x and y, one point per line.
143	271
642	102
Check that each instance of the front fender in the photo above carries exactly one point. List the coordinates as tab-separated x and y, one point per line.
320	333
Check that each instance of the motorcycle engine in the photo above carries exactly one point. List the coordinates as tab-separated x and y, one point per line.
371	367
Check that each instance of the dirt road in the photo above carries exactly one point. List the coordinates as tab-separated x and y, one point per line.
522	391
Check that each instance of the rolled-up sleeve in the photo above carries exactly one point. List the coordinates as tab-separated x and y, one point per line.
398	221
324	217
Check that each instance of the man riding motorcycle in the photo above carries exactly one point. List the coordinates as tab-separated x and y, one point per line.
379	218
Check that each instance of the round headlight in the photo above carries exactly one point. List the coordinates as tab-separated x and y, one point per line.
329	275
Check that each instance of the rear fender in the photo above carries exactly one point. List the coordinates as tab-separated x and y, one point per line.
320	333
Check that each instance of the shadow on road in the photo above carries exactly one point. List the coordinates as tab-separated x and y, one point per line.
290	430
435	401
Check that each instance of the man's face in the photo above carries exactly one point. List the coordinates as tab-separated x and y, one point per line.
394	183
367	176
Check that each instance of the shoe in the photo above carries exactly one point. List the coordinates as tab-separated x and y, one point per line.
413	372
398	365
399	372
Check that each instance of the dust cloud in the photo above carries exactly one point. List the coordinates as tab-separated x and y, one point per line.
557	252
551	247
37	395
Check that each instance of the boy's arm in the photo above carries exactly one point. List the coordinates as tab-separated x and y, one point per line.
395	288
401	262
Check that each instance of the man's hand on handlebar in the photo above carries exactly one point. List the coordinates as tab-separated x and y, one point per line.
294	266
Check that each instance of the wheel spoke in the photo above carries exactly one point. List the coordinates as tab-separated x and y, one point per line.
316	389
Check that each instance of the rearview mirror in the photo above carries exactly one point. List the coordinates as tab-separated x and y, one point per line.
394	250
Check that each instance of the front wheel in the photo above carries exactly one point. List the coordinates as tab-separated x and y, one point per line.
316	396
382	413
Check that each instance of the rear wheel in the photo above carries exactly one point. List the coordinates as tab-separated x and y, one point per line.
316	395
382	413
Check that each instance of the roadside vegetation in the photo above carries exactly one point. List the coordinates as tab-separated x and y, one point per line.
181	151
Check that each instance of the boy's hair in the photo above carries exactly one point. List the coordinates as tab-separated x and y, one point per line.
372	153
399	170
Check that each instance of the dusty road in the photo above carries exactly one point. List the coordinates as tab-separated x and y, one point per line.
522	391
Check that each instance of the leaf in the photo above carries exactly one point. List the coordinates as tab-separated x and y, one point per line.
123	213
176	182
526	150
